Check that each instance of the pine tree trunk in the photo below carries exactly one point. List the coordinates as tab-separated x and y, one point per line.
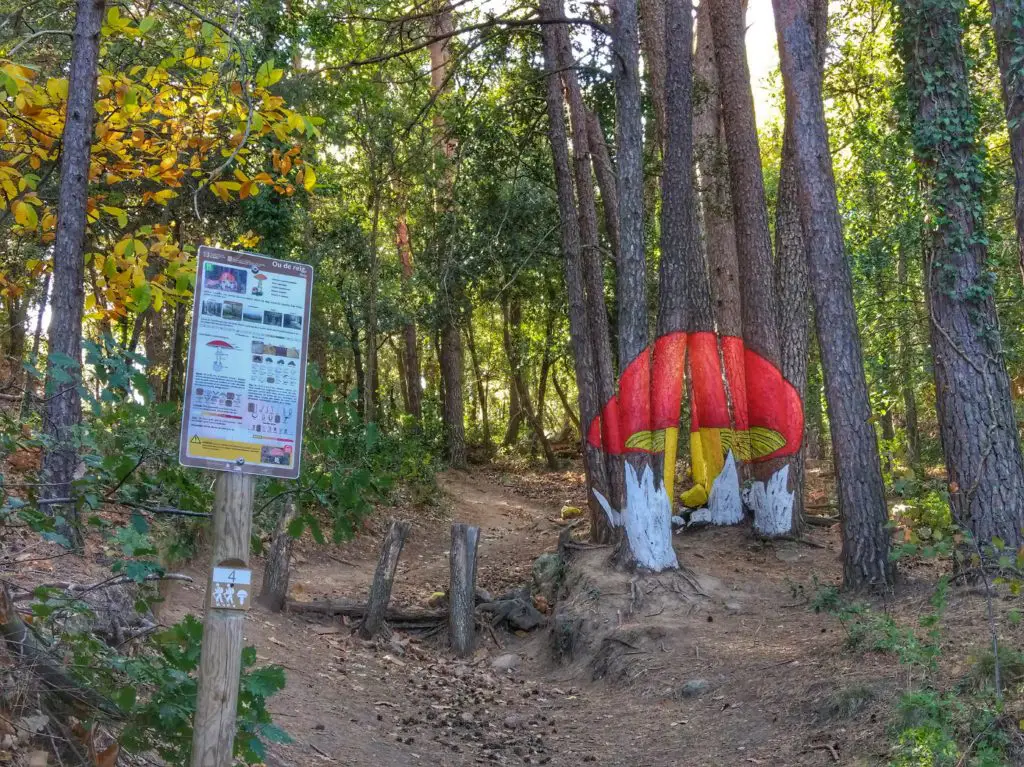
357	356
370	392
976	418
410	349
1008	23
452	414
907	365
715	195
684	296
511	320
593	260
570	412
653	34
63	406
481	391
862	505
773	512
29	382
579	322
645	516
606	183
791	278
452	411
276	571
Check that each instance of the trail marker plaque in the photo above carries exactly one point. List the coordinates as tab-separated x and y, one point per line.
246	381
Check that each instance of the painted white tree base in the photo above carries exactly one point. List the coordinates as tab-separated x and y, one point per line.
772	504
725	506
647	520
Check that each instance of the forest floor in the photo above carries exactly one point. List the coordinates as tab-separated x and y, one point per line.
770	681
725	665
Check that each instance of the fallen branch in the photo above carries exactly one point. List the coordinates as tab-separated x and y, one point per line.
811	519
350	609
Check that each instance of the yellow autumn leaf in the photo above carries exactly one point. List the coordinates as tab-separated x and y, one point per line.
309	179
25	215
57	88
164	196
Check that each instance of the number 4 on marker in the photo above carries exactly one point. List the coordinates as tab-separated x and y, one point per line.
231	576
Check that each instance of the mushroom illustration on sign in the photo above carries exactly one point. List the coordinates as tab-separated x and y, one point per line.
220	346
257	289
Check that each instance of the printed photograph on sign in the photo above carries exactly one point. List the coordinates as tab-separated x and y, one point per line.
219	277
246	374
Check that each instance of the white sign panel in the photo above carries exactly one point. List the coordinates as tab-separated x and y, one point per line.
246	381
230	588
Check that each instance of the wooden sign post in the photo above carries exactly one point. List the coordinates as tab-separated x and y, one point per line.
220	664
244	395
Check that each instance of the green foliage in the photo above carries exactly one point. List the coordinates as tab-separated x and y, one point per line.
932	728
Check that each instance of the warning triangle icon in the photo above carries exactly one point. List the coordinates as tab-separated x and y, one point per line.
195	439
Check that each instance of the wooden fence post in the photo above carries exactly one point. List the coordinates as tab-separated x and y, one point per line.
462	589
383	578
227	598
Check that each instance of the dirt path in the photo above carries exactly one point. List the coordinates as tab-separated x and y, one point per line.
738	671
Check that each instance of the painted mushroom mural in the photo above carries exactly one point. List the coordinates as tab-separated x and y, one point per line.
765	422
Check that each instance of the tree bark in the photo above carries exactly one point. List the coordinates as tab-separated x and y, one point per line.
515	415
570	413
453	415
715	197
410	348
29	381
631	270
606	183
357	357
64	361
511	318
759	312
907	365
862	506
791	265
684	296
462	589
580	334
383	578
654	44
370	392
274	592
1008	23
976	417
173	383
481	389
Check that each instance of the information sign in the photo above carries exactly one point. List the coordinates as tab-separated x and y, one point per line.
246	381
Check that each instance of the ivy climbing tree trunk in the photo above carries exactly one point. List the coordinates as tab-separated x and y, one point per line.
976	418
771	496
64	336
861	491
1008	23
